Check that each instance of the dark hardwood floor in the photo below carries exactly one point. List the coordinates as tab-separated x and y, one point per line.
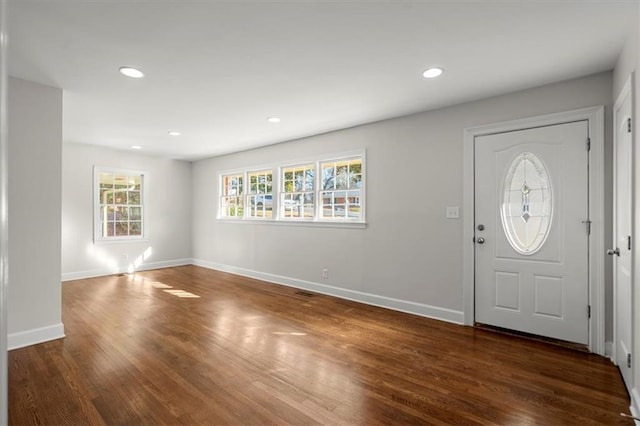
248	352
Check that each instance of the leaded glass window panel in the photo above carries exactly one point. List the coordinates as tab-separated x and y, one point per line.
527	204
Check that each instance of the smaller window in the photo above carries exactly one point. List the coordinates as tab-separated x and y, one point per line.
231	204
340	190
260	194
297	196
119	204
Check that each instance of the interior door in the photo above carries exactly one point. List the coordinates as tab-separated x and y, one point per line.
622	238
532	231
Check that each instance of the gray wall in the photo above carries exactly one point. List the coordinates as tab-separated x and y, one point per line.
35	152
409	250
167	201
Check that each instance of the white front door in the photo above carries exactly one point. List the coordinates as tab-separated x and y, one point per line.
622	238
532	231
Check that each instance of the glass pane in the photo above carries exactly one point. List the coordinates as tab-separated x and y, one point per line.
121	181
232	206
135	228
108	230
135	213
134	197
328	177
355	181
135	182
111	212
119	197
341	177
260	205
122	229
121	213
527	204
106	180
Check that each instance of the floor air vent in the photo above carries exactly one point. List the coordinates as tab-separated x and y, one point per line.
305	293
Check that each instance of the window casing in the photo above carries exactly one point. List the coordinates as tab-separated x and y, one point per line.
327	190
260	194
297	193
231	201
341	189
119	204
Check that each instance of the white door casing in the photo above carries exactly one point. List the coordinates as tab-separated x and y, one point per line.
595	118
622	231
532	231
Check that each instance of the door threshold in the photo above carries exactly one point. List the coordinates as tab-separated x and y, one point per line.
557	342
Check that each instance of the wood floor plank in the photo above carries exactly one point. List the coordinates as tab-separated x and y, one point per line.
242	351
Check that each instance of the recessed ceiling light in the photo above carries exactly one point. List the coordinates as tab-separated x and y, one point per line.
136	147
273	120
174	133
432	72
131	72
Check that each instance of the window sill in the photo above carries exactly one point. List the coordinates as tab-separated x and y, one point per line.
100	242
307	223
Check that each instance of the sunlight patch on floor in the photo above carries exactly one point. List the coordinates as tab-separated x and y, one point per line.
157	284
181	293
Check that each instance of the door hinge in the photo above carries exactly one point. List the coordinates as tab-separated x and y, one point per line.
588	223
628	242
588	144
588	311
629	360
628	125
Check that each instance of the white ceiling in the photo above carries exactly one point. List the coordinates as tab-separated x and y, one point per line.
215	70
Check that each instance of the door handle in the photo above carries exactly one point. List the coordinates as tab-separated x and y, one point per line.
611	252
480	240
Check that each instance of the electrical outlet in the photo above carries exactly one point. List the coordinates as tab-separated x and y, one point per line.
453	212
124	256
325	274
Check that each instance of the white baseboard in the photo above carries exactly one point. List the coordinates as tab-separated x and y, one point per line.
69	276
442	314
608	350
35	336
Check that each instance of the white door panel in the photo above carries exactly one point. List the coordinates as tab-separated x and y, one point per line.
531	232
621	236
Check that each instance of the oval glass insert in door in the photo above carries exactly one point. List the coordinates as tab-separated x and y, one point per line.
527	204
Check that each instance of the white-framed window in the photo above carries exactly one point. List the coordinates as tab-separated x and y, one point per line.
119	204
297	193
341	189
328	189
260	194
231	201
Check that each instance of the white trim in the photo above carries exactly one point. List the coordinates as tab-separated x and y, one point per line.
80	275
4	224
608	351
428	311
595	118
283	222
97	221
624	92
276	191
35	336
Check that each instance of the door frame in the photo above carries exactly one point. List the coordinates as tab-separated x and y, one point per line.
4	224
595	118
627	90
